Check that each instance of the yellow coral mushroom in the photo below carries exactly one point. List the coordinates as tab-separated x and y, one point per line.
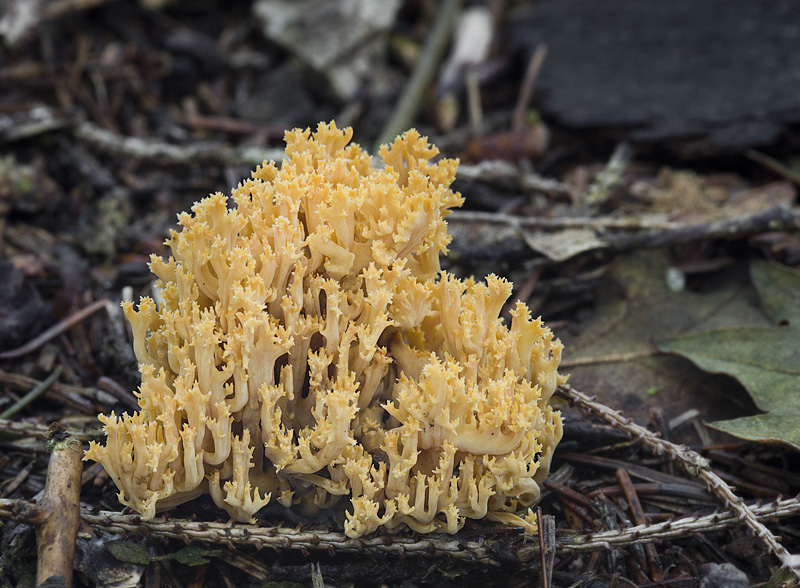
309	347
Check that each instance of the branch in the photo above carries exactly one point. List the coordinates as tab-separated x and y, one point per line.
286	538
490	231
675	529
480	549
168	153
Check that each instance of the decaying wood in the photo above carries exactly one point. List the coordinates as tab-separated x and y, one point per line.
57	517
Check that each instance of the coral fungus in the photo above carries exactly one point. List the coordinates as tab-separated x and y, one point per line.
309	348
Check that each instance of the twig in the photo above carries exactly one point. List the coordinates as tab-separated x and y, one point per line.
571	496
524	98
55	330
166	153
686	491
234	125
36	121
547	549
316	576
433	545
695	464
638	470
479	550
675	529
409	104
615	358
35	392
492	230
286	538
10	486
473	86
122	394
774	165
641	222
508	174
637	514
33	430
83	399
776	218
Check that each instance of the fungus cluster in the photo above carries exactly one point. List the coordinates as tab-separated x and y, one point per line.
308	348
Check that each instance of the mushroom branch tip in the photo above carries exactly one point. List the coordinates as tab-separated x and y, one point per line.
308	348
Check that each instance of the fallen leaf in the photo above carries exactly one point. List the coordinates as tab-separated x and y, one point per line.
130	552
563	245
134	552
766	360
614	356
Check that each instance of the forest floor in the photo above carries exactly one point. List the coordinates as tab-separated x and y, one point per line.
648	213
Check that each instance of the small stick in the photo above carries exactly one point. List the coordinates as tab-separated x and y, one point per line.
640	471
524	98
411	100
632	233
546	536
668	530
168	154
234	125
680	490
55	330
123	395
571	495
9	486
473	86
83	399
37	391
24	429
637	514
774	165
614	358
574	222
625	484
